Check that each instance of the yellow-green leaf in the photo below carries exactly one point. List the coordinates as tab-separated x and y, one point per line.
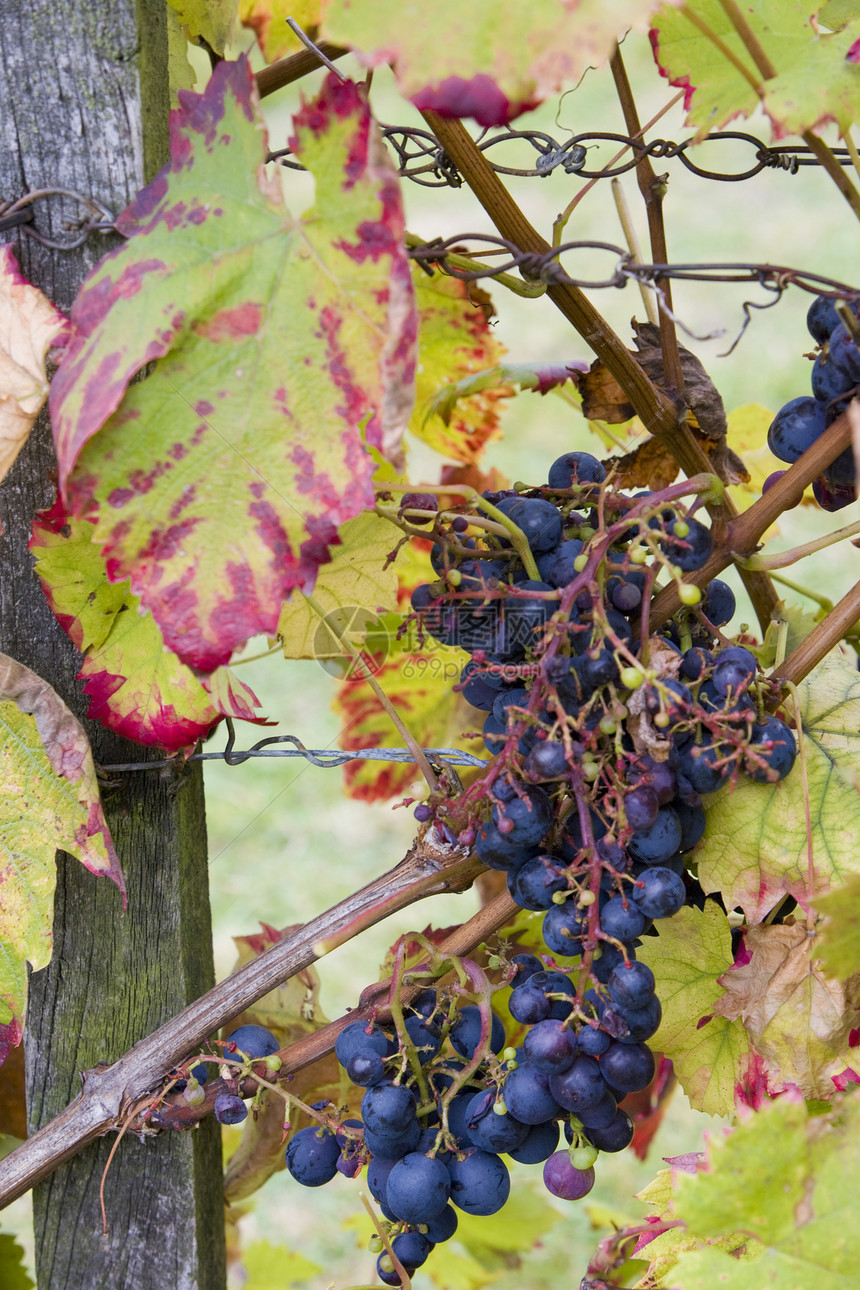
209	20
274	1267
755	846
837	938
709	1052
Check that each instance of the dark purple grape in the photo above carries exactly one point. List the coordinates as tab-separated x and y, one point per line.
229	1109
538	519
541	1142
591	1041
426	1039
616	1137
822	318
707	766
546	761
394	1145
254	1041
692	824
527	1096
831	497
526	965
641	805
629	1067
443	1226
563	1180
388	1108
641	1023
465	1033
412	1249
632	985
580	1086
530	815
490	1131
719	602
601	1115
796	427
378	1170
480	1183
772	740
829	381
622	919
559	567
734	670
844	352
528	1004
691	551
499	851
562	929
418	1188
312	1156
526	615
365	1068
549	1046
535	883
575	468
420	502
660	841
659	893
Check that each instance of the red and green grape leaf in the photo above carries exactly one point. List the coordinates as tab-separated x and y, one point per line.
800	1022
218	482
497	57
837	936
455	344
136	685
268	20
787	1178
29	327
212	20
49	801
754	850
709	1052
355	578
814	84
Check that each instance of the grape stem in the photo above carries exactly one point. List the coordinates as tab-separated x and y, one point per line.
785	558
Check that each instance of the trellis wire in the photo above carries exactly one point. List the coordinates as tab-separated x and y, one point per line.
422	158
325	758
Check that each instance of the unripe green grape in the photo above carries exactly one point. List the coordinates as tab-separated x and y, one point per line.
681	528
639	555
454	577
583	1157
509	1055
500	1108
580	562
689	594
661	720
590	771
608	725
631	677
587	898
273	1062
194	1093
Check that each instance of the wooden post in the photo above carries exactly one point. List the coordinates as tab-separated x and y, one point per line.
83	106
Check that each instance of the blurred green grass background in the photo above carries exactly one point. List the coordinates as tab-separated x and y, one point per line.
284	842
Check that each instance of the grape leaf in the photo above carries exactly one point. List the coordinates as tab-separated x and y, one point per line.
268	20
29	326
273	1267
837	938
354	579
473	401
788	1179
497	58
136	685
814	83
455	344
49	801
708	1052
218	482
755	847
210	19
418	679
13	1275
800	1022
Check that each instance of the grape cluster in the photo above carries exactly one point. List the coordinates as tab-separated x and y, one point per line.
835	376
604	738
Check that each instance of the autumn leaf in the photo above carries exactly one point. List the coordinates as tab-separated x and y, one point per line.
498	57
49	801
754	850
800	1022
814	82
268	20
207	20
29	327
136	686
355	579
708	1052
837	936
455	342
218	483
785	1177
